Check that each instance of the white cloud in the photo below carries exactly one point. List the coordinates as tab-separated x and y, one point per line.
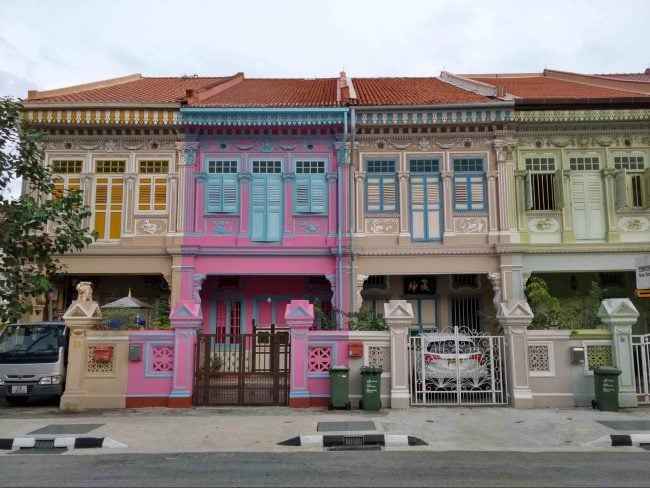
53	44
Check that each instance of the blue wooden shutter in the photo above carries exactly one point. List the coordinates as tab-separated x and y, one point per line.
258	208
302	193
318	194
230	190
213	193
461	198
274	208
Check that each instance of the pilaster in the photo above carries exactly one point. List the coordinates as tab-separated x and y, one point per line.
619	315
299	317
515	316
399	316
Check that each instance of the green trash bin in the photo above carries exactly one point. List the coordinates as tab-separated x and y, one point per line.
606	388
339	378
370	388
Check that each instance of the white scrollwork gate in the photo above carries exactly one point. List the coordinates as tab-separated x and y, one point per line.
641	349
457	367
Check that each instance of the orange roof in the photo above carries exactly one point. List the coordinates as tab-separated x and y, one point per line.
545	87
274	92
142	90
412	91
644	77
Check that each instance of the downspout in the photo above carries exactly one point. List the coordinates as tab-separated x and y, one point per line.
339	225
352	213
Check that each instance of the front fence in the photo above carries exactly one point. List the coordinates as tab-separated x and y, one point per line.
242	369
641	349
457	367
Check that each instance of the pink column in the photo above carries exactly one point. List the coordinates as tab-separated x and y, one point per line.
244	203
299	317
186	318
288	179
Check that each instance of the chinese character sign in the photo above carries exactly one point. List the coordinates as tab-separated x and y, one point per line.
419	285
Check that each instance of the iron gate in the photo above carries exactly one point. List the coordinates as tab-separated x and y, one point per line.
641	350
242	369
457	367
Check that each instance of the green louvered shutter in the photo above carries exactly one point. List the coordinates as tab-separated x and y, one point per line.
318	202
230	194
302	194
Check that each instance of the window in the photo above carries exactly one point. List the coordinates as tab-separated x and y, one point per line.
630	182
426	208
466	312
543	184
584	163
464	281
376	282
311	187
381	186
469	184
109	194
66	176
152	190
267	198
228	322
222	186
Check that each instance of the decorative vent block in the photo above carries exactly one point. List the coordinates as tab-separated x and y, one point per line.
320	359
100	367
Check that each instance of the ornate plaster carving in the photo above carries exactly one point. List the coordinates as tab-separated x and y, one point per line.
470	225
633	224
382	226
543	224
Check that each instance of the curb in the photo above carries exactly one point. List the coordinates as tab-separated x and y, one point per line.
389	440
629	439
19	443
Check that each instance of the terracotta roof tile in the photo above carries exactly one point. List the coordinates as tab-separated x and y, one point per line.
538	87
644	77
276	92
144	90
411	91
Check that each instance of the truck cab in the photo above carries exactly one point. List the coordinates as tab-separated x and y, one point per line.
33	359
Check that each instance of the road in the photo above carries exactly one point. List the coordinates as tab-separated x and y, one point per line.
329	469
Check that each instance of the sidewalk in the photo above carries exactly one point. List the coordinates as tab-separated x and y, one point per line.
160	430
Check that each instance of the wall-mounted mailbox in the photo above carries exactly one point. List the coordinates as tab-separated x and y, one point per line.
577	356
355	349
135	352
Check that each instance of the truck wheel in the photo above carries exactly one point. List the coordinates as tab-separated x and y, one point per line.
16	400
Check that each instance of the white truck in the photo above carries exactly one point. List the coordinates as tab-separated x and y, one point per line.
33	358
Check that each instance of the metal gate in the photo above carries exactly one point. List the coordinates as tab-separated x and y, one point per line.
641	350
457	367
242	369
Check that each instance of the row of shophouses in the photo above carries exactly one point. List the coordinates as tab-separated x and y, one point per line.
232	196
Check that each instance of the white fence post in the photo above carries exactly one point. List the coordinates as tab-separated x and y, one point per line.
619	315
399	316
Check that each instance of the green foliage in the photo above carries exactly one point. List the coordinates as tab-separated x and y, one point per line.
121	318
326	321
364	320
161	311
577	312
27	245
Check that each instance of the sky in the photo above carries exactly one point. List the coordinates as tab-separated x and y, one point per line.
47	44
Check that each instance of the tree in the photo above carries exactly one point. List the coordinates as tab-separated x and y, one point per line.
37	225
577	312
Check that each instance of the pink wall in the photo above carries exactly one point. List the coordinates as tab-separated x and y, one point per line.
321	341
151	376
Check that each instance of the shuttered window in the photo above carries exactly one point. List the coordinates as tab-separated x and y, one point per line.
266	201
311	187
631	182
109	196
381	186
542	184
152	189
587	207
425	201
66	176
222	186
469	184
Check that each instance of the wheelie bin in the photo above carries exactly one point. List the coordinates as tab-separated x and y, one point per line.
606	388
339	378
370	388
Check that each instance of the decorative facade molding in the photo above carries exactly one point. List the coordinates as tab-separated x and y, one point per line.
103	117
262	117
433	117
632	115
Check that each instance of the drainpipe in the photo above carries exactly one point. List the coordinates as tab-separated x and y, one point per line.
339	237
352	213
